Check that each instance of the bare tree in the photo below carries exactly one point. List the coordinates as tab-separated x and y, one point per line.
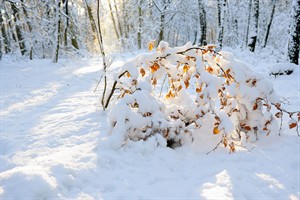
221	21
29	25
66	10
248	22
102	53
294	40
19	33
269	24
118	18
57	31
202	20
139	32
113	19
163	11
4	39
253	37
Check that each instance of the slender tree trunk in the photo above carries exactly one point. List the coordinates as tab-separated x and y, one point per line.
125	19
169	35
5	43
176	38
248	22
221	21
236	29
294	40
29	28
253	38
104	104
202	20
162	24
74	42
57	32
113	19
118	19
139	34
91	18
195	37
16	19
100	35
66	6
212	34
93	23
269	25
69	28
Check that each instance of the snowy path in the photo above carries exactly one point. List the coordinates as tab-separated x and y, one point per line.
51	130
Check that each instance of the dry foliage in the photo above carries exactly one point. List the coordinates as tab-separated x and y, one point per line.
214	85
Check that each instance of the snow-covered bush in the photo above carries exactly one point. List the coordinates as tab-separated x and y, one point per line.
172	91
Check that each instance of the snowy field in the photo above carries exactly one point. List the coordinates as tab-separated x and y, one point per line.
53	136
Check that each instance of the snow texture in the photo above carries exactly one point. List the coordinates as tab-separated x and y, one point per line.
55	144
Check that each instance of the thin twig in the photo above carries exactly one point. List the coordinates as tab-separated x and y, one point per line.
215	147
162	85
113	89
281	119
98	82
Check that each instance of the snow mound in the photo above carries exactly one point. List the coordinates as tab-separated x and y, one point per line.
33	184
281	69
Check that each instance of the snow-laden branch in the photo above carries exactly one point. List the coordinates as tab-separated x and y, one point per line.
204	86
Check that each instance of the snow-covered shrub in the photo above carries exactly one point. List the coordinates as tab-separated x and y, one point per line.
172	91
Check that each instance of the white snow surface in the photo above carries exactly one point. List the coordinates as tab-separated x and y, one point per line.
54	144
281	67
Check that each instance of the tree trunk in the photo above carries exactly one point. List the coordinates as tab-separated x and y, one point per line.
253	38
202	20
91	18
104	104
93	23
139	34
20	38
248	23
66	6
6	46
113	19
161	31
294	39
29	28
118	19
74	42
125	19
221	21
269	25
195	37
57	32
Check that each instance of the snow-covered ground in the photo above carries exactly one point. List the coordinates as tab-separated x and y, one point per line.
53	136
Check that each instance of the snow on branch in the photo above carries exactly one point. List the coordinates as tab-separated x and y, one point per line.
171	92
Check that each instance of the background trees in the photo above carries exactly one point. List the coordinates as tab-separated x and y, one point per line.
53	28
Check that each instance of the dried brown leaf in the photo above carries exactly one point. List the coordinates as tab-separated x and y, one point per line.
292	125
142	72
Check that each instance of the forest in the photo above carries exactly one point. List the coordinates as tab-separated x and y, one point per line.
54	28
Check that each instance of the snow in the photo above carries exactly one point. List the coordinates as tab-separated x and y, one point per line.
55	144
281	68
